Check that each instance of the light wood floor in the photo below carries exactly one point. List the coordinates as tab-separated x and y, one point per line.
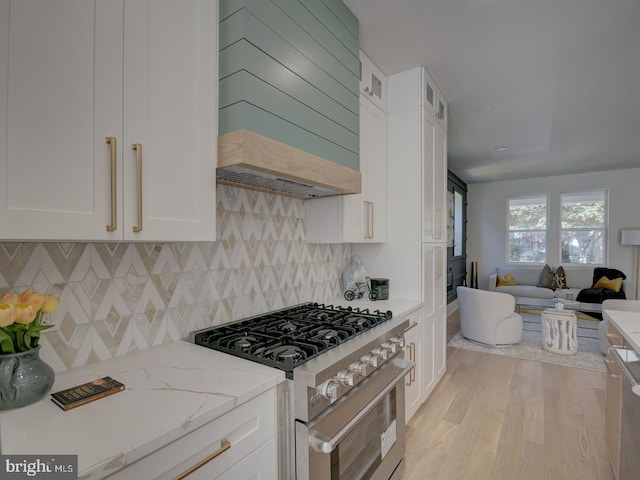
494	417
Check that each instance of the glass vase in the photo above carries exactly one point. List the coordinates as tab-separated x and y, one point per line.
24	378
353	272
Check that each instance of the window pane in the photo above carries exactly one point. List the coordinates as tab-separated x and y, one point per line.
527	247
583	247
583	210
528	213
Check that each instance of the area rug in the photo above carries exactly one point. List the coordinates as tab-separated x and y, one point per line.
530	348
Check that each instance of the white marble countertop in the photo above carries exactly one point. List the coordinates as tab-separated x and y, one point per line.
170	390
628	323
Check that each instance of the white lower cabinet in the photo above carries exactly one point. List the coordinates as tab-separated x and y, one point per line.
238	445
414	351
435	310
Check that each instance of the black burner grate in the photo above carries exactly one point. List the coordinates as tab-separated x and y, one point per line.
287	338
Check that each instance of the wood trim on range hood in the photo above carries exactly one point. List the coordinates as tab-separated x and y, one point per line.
247	159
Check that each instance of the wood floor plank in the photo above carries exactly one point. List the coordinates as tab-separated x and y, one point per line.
496	417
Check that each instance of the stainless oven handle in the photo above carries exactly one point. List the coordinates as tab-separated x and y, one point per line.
324	446
635	386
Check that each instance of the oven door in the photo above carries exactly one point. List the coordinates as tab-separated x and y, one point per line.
362	435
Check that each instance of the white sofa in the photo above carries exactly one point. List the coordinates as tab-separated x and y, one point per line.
488	317
528	278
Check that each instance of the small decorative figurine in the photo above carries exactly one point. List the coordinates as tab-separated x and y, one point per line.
360	289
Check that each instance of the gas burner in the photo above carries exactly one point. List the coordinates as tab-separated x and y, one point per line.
362	322
285	352
244	343
318	315
328	334
287	327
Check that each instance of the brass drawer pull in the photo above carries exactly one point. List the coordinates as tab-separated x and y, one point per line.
413	325
138	148
114	206
224	446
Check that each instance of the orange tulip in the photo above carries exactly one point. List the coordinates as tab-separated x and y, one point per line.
25	313
32	298
7	314
10	298
50	303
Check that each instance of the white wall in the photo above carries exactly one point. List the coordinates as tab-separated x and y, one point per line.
486	228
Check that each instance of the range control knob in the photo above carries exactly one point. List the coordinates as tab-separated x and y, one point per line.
347	377
381	352
392	347
397	339
361	368
329	389
372	360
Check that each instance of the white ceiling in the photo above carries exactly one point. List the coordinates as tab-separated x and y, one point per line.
563	77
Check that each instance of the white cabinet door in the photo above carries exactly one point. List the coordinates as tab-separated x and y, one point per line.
259	465
434	101
434	177
439	345
170	111
414	351
364	214
64	95
435	307
358	218
60	97
373	82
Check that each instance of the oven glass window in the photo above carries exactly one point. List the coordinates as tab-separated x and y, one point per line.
360	452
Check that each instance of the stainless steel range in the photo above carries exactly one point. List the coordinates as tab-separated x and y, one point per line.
342	406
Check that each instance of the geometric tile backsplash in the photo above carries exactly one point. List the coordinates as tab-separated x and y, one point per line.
116	298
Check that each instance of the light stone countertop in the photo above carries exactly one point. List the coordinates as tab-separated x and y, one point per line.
170	390
629	325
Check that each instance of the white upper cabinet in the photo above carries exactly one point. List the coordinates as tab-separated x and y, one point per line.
434	166
434	101
357	218
373	83
108	119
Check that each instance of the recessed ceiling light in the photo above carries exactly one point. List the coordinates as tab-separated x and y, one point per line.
485	109
501	149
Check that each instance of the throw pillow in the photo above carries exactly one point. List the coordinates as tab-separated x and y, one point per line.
547	277
560	280
610	273
505	281
614	284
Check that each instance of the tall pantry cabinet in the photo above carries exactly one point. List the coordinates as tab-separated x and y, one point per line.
108	119
414	254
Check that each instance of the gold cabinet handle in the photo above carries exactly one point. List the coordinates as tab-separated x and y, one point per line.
413	325
413	359
410	347
138	148
114	206
371	223
224	446
368	215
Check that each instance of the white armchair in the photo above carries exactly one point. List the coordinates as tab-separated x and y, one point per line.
488	317
614	304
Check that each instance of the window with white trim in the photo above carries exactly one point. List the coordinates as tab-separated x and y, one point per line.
583	233
527	220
